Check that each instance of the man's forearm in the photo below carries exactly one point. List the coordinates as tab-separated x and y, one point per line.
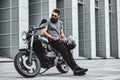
47	35
44	32
62	34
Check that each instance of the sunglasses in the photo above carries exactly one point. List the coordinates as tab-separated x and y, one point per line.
54	15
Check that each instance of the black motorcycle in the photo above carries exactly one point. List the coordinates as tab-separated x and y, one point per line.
38	55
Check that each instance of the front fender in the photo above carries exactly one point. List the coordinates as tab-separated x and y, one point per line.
24	49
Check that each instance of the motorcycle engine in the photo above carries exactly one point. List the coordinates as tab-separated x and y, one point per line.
51	54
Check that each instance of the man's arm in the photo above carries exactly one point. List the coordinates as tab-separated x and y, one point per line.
63	36
45	33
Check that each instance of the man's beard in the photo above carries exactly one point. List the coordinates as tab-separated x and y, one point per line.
53	20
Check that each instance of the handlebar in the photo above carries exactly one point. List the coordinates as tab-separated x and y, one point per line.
34	27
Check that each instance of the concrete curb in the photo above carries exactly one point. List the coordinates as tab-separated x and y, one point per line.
4	59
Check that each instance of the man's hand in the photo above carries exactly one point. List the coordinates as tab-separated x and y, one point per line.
64	39
55	38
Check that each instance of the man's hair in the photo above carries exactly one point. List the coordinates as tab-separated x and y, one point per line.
57	11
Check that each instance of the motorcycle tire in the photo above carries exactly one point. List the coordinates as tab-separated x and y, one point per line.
23	67
62	66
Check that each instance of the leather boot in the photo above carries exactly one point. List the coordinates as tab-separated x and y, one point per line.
80	71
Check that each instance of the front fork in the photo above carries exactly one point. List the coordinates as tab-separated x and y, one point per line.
31	49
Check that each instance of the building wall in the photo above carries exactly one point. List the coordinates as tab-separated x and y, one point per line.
9	24
75	27
95	24
113	28
13	20
87	45
102	29
118	26
38	9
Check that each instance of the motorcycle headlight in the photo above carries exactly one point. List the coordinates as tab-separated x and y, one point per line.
24	36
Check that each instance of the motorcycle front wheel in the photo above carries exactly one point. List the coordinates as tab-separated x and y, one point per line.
23	66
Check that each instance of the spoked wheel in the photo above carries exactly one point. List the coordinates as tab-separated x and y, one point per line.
62	65
24	67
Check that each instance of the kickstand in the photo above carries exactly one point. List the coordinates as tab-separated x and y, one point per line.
44	71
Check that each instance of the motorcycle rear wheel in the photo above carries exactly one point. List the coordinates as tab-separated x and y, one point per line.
23	66
62	65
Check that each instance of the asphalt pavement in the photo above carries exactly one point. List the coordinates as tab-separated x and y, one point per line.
100	69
